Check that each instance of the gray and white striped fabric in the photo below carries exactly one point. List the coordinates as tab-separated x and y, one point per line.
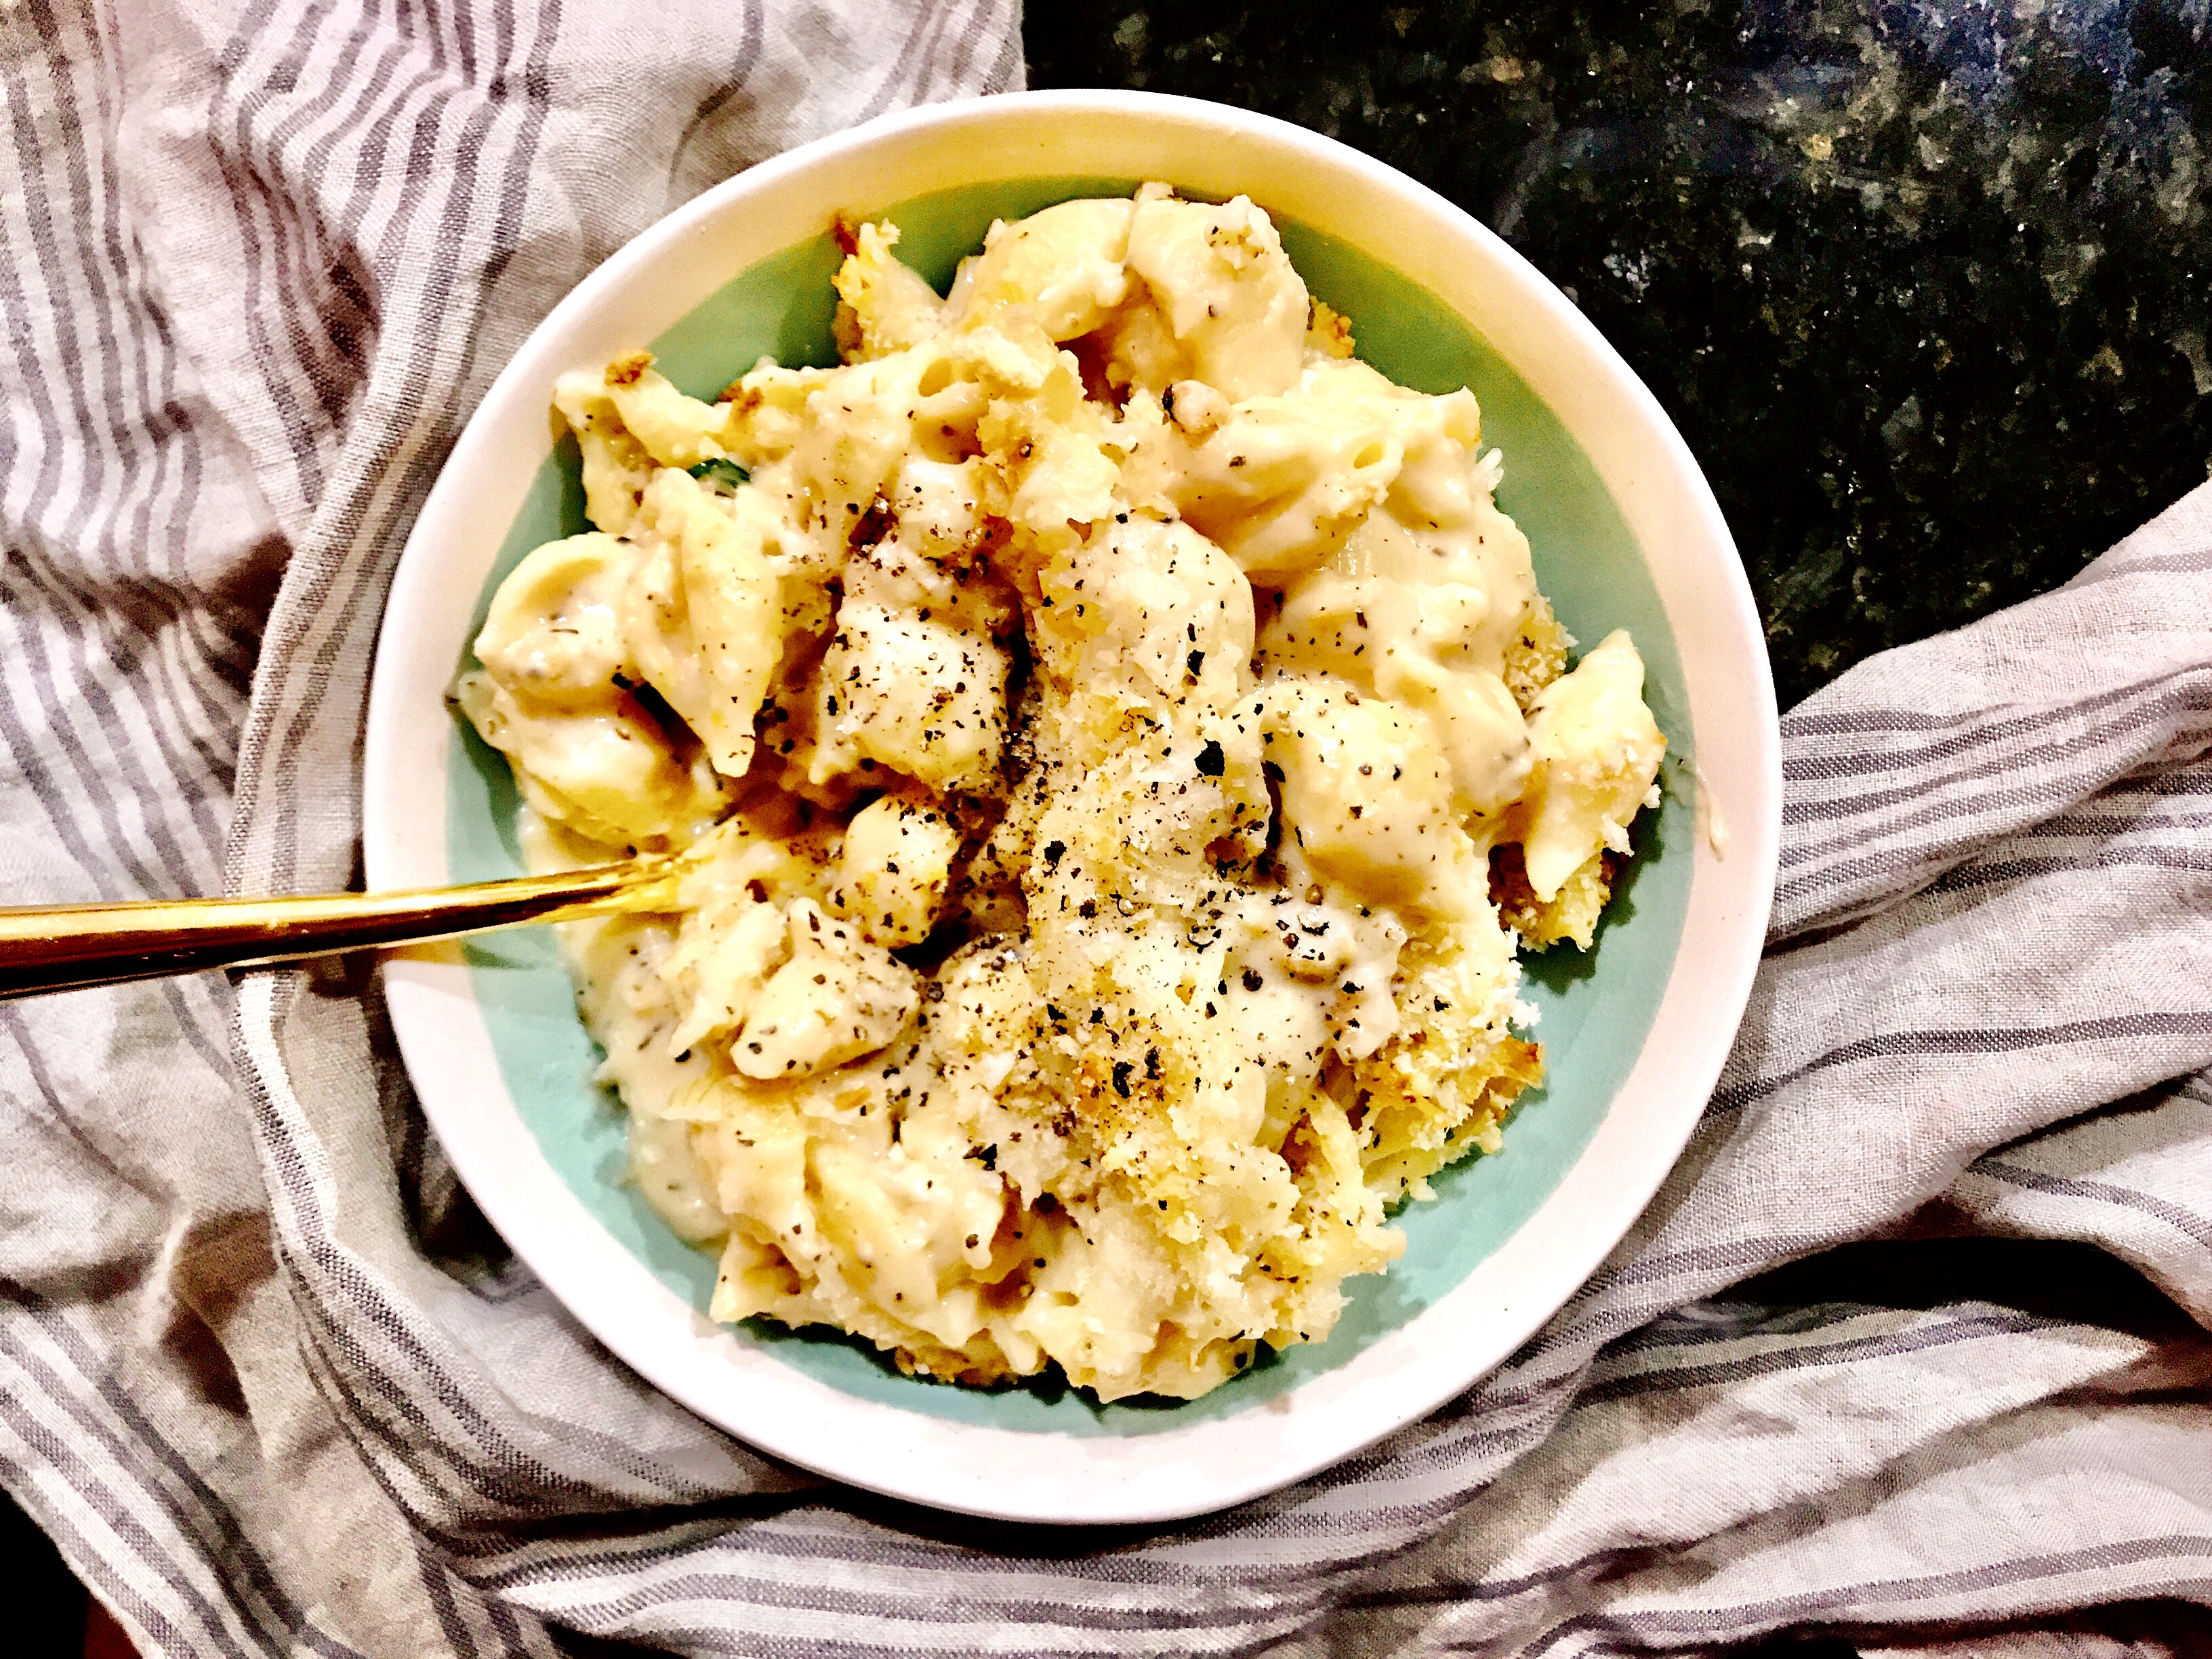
274	1389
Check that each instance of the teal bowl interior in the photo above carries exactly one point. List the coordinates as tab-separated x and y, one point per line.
1597	1008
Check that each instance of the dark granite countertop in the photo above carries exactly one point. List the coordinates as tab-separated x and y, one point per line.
1927	285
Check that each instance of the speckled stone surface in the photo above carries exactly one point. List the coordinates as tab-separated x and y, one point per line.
1928	287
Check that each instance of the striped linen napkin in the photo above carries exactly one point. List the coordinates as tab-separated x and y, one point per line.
273	1388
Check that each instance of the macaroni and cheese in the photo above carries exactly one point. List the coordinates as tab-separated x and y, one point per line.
1118	746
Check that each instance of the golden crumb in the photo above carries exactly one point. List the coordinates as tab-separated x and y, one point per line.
628	368
1538	654
1328	330
1437	1090
1572	914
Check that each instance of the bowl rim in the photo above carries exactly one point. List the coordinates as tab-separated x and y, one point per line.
961	1467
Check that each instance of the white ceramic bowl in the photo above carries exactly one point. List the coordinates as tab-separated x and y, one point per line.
1626	531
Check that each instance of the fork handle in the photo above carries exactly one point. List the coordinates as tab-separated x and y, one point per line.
65	947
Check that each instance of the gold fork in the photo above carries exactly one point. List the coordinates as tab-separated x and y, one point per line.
63	947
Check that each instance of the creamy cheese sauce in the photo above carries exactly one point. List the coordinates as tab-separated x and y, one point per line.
1118	747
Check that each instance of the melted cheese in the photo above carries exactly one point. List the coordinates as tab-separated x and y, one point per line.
1086	711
